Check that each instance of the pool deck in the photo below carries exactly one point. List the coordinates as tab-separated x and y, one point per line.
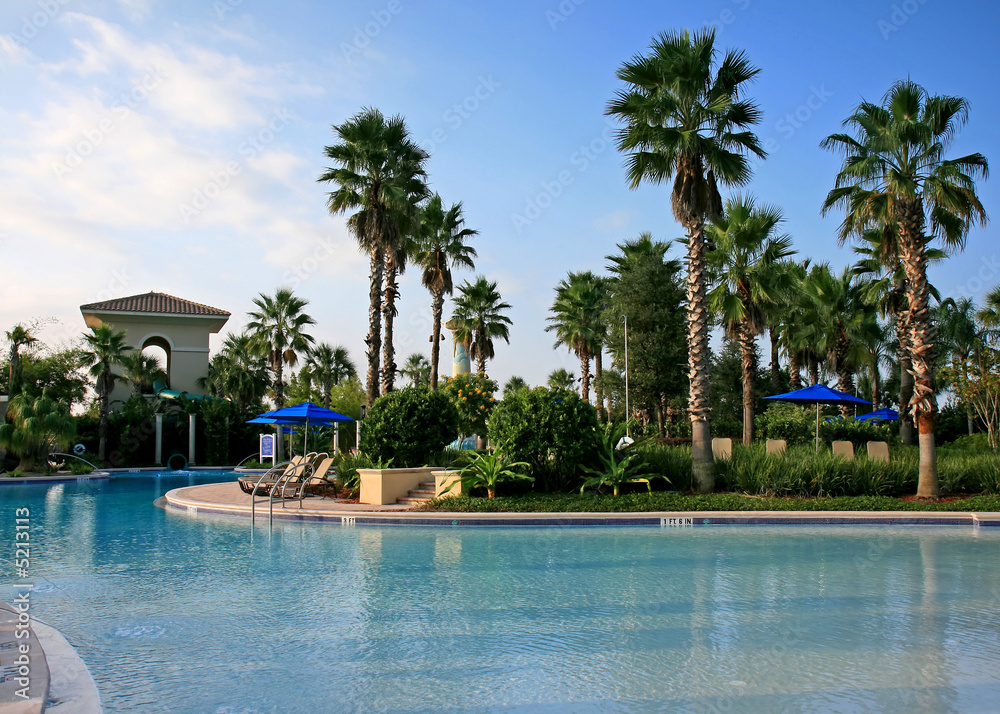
228	499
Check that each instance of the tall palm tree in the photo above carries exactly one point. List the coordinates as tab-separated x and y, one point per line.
329	366
845	323
417	369
745	264
561	378
237	372
962	336
514	384
141	370
278	333
989	314
18	337
440	248
578	321
894	173
379	176
685	118
480	319
104	348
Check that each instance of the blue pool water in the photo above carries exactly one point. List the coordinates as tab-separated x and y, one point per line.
174	613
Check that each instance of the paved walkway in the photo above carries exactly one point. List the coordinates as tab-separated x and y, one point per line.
227	498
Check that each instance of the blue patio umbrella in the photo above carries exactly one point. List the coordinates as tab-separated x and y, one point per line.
881	415
305	413
818	394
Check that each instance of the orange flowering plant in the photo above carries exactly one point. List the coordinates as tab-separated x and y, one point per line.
473	396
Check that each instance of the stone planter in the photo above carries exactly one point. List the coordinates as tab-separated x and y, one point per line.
380	487
443	481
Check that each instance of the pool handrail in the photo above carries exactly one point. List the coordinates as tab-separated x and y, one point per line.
277	468
59	453
307	466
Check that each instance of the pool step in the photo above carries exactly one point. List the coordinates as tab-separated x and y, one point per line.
423	492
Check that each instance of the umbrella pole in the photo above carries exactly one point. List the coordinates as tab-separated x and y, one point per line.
817	427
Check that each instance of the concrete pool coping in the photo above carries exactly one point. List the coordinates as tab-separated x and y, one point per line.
228	499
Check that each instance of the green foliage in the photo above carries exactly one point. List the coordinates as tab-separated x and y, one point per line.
971	444
673	501
554	432
561	379
408	426
348	463
215	417
618	465
56	373
727	390
487	470
794	424
132	432
78	468
36	426
473	397
858	432
671	463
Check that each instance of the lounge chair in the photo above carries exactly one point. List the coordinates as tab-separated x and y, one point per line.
288	468
296	486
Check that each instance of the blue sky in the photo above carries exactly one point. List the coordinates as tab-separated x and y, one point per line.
174	146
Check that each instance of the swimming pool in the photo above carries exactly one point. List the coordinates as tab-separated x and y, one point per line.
174	613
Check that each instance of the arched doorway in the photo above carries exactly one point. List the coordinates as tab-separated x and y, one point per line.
158	346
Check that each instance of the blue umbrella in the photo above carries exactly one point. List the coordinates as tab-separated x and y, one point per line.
818	394
881	415
306	413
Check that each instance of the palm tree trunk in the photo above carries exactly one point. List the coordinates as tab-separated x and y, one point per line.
279	381
389	315
749	360
920	332
905	382
585	375
480	353
775	364
699	366
794	378
598	388
102	426
437	307
374	338
813	371
327	388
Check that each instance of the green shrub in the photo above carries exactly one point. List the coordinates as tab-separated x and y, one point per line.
673	463
78	468
553	431
794	424
858	432
408	427
473	397
347	464
971	443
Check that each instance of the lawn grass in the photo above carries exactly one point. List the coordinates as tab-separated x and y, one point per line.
668	501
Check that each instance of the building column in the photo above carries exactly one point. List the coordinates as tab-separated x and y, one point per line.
191	423
159	440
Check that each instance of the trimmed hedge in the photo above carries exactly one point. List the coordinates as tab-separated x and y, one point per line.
409	427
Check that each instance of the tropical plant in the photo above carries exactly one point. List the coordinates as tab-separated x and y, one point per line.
277	330
37	424
479	318
417	369
551	430
409	426
104	347
894	173
561	379
989	314
748	278
237	372
473	397
489	470
578	320
379	176
621	462
141	370
685	117
18	337
329	365
514	384
441	247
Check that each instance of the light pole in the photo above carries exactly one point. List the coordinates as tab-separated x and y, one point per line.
628	414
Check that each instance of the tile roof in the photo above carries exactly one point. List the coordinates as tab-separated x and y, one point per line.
154	302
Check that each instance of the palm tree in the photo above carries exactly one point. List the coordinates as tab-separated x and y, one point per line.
478	314
105	348
380	177
845	323
237	372
514	384
561	378
18	336
441	247
578	321
685	118
417	369
989	314
961	337
748	278
330	365
35	425
141	370
894	174
277	331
